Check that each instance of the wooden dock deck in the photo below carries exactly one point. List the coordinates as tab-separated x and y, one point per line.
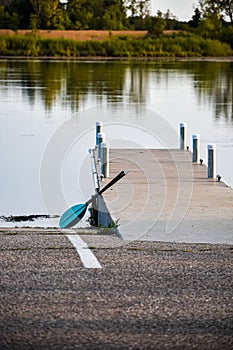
166	197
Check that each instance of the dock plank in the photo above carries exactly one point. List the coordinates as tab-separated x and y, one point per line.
166	197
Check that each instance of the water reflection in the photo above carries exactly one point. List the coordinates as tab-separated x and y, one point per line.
214	86
73	82
38	97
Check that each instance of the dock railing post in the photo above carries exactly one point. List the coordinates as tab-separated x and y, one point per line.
211	161
98	129
100	139
196	147
183	127
94	211
104	159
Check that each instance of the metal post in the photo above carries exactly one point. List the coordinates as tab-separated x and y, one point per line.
183	127
100	139
105	159
196	147
94	211
98	129
211	161
94	170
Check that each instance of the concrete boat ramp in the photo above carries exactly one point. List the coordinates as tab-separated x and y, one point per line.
166	197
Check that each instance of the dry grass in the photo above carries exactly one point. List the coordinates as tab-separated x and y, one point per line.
80	35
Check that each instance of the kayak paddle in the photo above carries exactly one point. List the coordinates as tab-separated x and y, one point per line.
74	214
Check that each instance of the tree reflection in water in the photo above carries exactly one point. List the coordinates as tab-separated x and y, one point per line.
73	82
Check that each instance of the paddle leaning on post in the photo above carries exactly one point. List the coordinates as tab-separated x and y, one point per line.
74	214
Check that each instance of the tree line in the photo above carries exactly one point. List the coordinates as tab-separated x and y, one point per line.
73	14
210	20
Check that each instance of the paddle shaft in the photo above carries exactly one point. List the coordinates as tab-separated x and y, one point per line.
110	184
73	215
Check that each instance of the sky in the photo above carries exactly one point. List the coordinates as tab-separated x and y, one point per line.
182	9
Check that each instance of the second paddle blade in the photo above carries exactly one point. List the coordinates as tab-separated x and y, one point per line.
73	215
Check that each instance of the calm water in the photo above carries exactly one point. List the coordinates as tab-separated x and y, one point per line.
48	111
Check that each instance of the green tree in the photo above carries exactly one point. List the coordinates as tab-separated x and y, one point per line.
195	18
138	8
227	8
97	8
144	8
138	13
217	8
156	26
210	28
79	14
97	14
44	12
7	20
115	15
227	35
211	24
171	20
60	20
23	8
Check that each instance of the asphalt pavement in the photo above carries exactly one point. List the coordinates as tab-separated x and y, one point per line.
146	295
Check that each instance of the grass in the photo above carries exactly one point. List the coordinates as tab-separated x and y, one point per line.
116	46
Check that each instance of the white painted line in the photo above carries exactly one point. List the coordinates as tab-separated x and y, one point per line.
88	259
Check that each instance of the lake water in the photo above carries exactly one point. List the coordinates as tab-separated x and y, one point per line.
48	111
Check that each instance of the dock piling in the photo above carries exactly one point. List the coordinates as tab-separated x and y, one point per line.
99	129
211	161
100	139
183	127
196	147
105	159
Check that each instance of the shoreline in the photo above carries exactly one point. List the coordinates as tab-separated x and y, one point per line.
102	58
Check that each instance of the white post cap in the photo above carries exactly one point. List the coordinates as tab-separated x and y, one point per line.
211	146
104	145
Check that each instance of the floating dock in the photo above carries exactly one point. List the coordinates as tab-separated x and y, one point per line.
167	197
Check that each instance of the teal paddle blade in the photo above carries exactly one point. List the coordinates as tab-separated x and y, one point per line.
73	215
